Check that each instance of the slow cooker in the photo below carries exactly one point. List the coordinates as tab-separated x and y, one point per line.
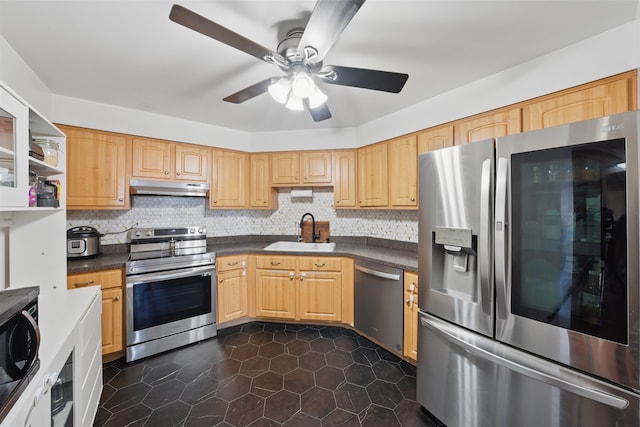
83	242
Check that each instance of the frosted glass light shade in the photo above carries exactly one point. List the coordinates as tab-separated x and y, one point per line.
280	90
317	98
294	103
302	85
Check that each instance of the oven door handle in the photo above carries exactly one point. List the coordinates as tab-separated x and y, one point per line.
168	275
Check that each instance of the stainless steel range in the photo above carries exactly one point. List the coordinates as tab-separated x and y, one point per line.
171	290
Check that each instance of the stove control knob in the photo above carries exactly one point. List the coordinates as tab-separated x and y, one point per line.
149	233
201	230
192	230
132	269
138	234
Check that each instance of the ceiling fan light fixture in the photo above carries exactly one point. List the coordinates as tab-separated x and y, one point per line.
294	103
317	98
280	90
302	85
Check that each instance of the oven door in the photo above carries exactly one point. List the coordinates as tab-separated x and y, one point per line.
165	303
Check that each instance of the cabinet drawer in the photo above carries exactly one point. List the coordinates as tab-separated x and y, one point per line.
320	264
228	263
277	262
105	279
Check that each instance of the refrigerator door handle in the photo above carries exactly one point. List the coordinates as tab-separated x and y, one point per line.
485	237
517	363
500	238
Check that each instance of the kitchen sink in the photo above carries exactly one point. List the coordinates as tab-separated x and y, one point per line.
301	247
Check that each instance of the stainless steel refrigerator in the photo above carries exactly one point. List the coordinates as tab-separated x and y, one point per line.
528	265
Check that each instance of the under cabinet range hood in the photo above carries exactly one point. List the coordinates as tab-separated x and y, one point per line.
168	188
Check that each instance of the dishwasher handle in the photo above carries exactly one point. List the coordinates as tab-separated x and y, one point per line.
377	273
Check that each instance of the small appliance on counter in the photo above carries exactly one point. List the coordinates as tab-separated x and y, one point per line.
83	242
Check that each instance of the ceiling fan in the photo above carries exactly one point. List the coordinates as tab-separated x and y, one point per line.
300	56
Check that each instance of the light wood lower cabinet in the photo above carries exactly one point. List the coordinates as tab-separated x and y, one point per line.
300	288
233	288
110	281
410	343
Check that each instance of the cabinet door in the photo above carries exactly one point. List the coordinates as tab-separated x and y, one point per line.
112	336
320	296
372	175
14	140
276	294
435	139
261	194
192	162
316	167
604	99
285	168
228	179
403	172
410	344
152	159
97	169
344	189
490	125
232	295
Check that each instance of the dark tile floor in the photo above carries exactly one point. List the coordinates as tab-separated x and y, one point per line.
265	374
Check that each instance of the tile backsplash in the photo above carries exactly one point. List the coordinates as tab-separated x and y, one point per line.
164	211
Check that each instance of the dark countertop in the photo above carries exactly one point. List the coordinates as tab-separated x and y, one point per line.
391	253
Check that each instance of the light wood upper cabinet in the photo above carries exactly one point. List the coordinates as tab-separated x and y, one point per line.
157	159
97	169
435	138
344	187
261	194
489	125
301	168
192	162
229	179
609	96
403	172
316	167
285	168
373	186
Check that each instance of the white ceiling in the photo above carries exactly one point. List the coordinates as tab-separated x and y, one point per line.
128	53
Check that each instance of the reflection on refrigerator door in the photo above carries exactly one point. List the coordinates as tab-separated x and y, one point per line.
530	303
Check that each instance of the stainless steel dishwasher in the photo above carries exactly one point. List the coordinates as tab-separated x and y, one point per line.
378	303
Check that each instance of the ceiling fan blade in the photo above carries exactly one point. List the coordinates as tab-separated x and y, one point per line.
250	92
319	113
328	19
386	81
192	20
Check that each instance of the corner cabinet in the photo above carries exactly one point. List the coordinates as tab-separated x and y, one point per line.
98	169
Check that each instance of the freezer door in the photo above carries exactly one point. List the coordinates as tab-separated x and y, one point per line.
469	380
455	250
566	241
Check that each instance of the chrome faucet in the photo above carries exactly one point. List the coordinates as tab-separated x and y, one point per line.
314	236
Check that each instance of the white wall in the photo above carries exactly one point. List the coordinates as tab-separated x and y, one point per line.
609	53
606	54
15	73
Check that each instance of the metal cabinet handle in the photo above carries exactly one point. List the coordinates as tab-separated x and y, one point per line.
413	199
221	280
178	173
274	263
166	172
82	284
302	276
319	265
292	275
232	263
116	298
121	199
